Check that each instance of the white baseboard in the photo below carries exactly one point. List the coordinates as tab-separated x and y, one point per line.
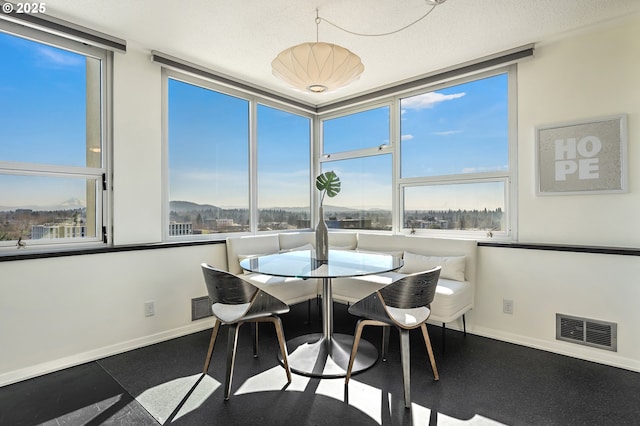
81	358
562	348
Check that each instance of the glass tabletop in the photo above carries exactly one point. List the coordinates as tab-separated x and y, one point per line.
341	263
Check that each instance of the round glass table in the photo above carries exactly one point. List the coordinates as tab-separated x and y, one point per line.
325	354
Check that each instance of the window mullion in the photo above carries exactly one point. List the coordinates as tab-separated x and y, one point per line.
253	166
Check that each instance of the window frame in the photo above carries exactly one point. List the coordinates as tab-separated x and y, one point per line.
102	175
507	177
253	102
383	149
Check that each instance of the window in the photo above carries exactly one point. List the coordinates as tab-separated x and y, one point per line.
284	156
361	130
208	134
454	156
364	201
356	147
210	171
444	155
53	162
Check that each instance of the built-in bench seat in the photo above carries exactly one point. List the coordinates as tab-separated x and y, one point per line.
456	286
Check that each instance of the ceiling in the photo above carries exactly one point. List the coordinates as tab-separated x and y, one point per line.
240	38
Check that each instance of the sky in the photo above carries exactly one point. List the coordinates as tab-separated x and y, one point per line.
461	129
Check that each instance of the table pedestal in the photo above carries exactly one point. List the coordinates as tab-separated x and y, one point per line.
316	356
327	354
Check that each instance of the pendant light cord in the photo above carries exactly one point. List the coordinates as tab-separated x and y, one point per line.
319	19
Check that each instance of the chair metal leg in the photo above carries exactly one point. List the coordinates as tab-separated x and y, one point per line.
427	342
386	331
354	350
232	343
283	346
444	328
212	342
405	354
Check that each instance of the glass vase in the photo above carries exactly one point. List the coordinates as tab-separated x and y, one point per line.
322	238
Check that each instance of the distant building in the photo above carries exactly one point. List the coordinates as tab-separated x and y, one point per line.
176	228
349	223
63	230
224	223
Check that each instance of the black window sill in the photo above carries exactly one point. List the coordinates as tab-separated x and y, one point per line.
620	251
25	255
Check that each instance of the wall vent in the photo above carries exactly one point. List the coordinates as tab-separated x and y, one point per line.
588	332
200	308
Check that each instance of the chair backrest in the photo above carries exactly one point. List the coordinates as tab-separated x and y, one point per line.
413	291
224	287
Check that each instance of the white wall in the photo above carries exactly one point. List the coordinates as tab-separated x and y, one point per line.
591	74
63	311
137	156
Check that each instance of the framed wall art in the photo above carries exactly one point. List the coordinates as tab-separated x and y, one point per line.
586	157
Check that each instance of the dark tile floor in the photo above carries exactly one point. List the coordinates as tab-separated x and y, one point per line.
482	382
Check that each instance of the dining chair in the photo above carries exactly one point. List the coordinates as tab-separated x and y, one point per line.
234	302
404	304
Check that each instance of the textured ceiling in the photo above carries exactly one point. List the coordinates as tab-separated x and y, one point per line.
240	38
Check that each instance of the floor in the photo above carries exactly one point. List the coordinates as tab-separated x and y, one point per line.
482	382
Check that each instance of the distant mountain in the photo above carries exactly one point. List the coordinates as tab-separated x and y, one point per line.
69	204
187	206
337	209
72	203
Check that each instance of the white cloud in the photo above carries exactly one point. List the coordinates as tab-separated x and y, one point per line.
59	58
428	100
406	137
484	169
447	132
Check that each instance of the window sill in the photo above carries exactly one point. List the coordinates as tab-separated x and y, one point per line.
25	255
621	251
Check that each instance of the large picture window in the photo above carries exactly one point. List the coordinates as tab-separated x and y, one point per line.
208	158
434	161
233	165
356	147
284	157
53	162
454	158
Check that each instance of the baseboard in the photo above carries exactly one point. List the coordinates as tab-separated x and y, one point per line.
81	358
559	347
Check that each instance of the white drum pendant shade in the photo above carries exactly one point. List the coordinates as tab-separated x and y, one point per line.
317	67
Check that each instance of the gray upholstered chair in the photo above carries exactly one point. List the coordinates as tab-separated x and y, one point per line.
234	302
405	305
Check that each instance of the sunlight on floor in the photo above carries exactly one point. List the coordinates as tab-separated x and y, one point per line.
361	396
187	394
273	379
201	393
99	407
443	420
162	400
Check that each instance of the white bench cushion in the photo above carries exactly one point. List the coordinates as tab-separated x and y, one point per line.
452	299
249	246
350	290
289	290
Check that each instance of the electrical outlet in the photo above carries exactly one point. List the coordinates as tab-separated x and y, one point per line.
149	309
507	306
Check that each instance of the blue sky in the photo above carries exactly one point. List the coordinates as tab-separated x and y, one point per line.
461	129
42	119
